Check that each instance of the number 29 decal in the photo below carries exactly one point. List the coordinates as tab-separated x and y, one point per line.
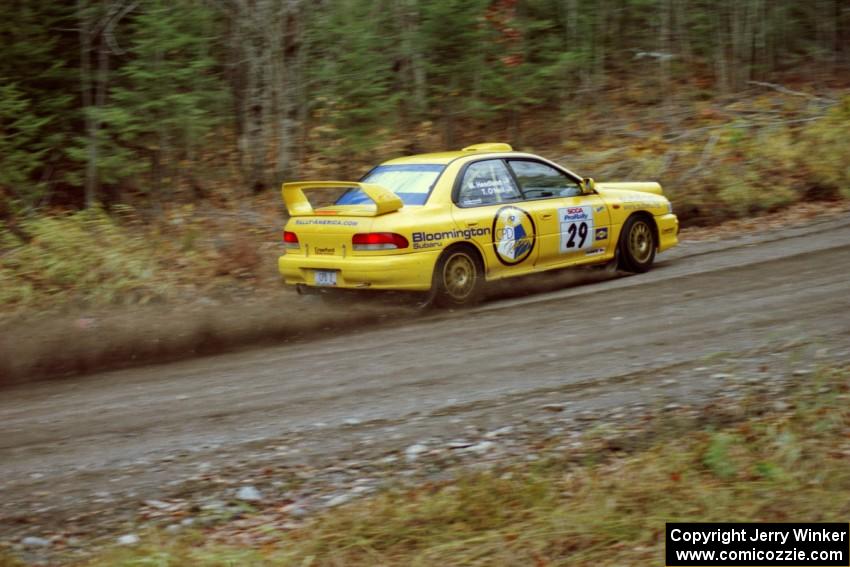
576	226
581	232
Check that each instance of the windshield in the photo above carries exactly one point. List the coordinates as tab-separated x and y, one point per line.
411	182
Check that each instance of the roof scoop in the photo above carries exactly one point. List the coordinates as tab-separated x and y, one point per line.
489	147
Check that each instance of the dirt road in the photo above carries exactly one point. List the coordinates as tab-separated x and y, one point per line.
777	301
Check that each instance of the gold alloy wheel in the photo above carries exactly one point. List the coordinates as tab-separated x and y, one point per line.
640	241
459	276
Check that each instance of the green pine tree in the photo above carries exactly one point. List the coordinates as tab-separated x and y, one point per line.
21	151
351	73
167	97
36	101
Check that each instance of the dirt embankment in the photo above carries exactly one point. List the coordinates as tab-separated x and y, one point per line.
65	345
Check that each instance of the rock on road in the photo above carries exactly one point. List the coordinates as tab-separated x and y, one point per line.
127	435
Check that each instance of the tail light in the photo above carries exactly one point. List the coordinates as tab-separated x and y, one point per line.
290	240
378	241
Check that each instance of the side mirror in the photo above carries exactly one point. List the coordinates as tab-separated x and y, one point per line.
588	185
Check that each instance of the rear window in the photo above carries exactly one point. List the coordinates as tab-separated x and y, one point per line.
487	183
411	182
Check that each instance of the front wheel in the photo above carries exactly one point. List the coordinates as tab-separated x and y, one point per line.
637	245
457	277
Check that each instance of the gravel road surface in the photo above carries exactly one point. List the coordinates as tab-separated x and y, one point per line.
105	442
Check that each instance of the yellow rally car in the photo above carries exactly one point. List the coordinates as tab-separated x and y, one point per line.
443	223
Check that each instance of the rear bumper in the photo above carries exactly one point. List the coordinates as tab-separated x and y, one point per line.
411	272
668	231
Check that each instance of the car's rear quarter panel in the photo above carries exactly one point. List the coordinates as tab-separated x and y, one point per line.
325	243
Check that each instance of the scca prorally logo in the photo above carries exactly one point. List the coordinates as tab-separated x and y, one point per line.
513	235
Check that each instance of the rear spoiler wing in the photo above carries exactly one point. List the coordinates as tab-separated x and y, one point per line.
296	202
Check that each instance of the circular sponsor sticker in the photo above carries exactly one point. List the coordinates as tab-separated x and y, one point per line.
513	235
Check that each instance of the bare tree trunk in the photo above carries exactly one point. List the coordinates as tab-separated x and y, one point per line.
760	40
743	23
827	18
286	77
417	60
598	39
163	155
280	88
270	62
100	90
268	21
752	11
251	143
666	48
682	35
843	36
411	75
85	22
300	91
94	85
572	42
720	50
571	7
781	24
736	27
448	117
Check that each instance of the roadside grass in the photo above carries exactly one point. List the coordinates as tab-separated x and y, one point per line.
784	460
87	256
94	258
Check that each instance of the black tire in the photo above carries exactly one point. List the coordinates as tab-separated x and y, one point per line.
637	245
457	277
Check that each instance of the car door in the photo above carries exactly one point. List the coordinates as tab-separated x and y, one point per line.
488	201
575	224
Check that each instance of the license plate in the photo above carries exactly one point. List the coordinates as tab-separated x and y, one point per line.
325	277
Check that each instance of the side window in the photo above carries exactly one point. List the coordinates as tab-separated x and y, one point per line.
487	183
540	181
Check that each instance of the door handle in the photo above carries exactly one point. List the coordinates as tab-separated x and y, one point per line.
547	216
472	223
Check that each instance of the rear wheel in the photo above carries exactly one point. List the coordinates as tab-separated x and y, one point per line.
457	277
637	246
